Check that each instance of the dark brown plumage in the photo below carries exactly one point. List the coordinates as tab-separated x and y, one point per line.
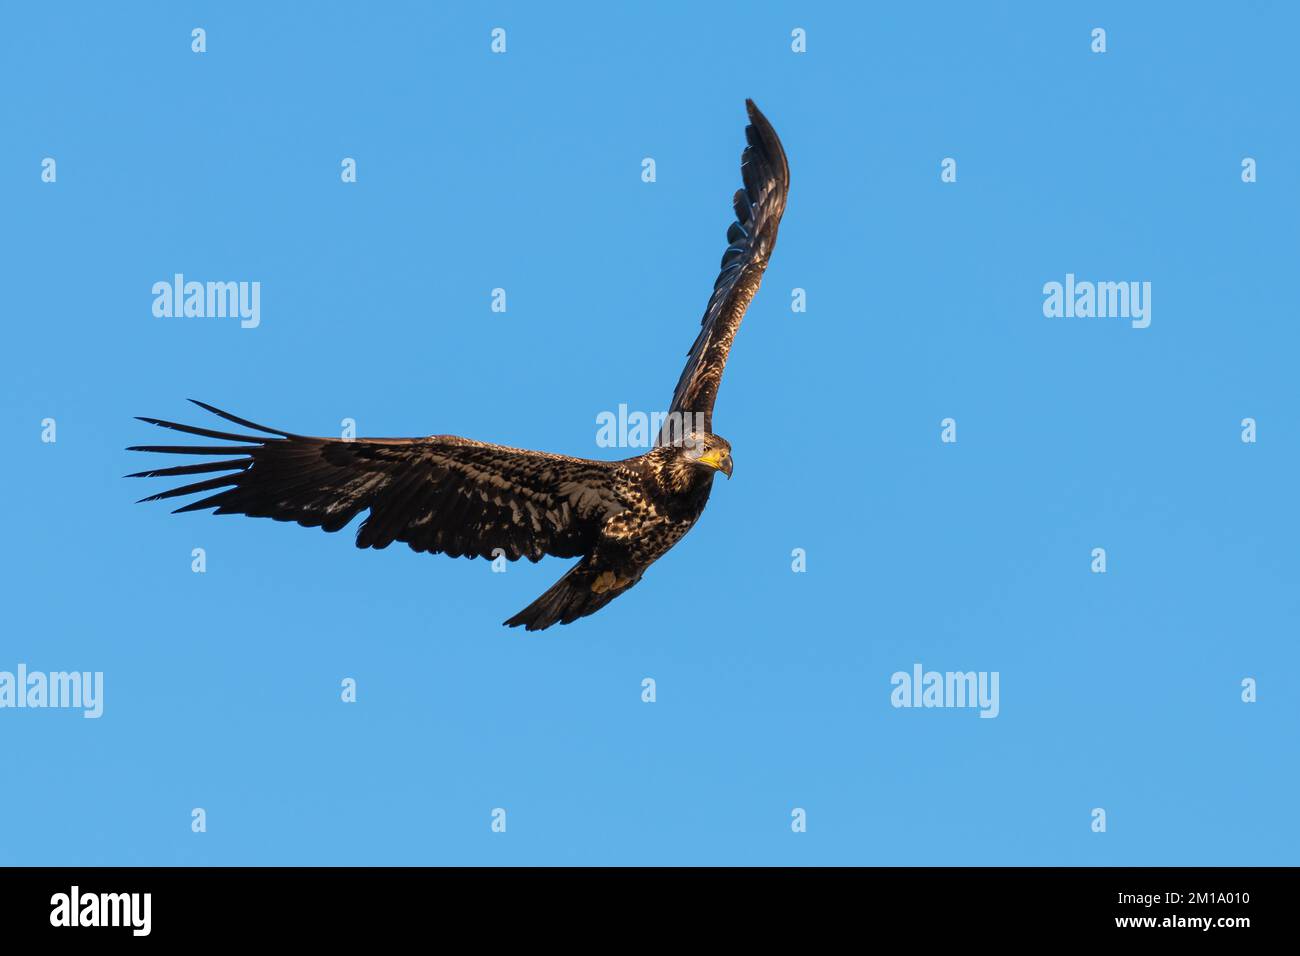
467	498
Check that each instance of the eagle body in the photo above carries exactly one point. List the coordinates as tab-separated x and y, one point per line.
659	496
465	498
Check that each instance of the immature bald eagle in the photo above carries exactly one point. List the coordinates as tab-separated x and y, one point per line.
468	498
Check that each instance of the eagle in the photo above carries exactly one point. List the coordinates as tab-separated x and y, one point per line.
465	498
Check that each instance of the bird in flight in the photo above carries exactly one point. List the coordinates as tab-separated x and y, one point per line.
469	498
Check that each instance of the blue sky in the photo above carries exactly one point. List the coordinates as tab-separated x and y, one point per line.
522	171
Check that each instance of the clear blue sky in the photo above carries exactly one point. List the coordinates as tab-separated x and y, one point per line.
924	301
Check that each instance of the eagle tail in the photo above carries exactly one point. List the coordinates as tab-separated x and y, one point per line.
583	590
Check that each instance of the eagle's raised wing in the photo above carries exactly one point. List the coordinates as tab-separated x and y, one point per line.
441	493
751	239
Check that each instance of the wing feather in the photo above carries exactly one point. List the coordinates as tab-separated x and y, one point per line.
751	239
438	494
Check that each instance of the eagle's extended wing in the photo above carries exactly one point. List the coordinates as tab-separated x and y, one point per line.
751	240
441	493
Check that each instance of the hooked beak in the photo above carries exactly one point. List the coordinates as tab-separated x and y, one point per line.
718	460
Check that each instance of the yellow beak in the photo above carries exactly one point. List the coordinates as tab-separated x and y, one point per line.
718	460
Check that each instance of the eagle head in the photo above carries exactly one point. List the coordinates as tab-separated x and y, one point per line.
707	451
690	463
